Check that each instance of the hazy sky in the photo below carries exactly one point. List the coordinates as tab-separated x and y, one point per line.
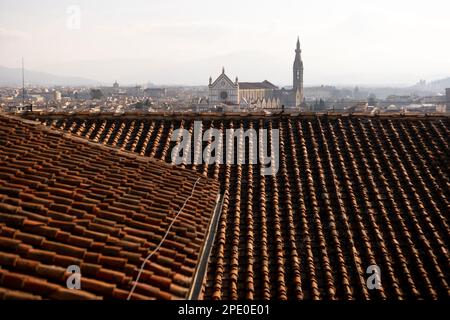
179	41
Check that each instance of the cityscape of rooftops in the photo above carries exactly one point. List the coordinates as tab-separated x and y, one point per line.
113	56
226	152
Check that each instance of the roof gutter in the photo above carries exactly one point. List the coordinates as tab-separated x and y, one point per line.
200	272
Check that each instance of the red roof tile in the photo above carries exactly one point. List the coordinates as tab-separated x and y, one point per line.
66	201
352	191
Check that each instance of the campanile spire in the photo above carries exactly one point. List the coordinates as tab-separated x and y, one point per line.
297	70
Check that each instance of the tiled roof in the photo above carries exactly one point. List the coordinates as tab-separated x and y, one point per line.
351	192
257	85
66	201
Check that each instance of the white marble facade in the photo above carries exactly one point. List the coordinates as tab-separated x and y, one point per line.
223	91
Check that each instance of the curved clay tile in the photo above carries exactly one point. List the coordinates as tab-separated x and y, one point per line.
350	192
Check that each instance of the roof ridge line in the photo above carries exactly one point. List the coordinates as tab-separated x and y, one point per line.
242	114
125	153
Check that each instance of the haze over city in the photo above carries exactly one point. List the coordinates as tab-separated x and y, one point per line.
184	42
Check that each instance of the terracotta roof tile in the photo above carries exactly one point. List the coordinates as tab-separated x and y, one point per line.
351	191
74	202
70	294
7	294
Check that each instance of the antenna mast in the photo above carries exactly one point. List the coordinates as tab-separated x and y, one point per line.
23	85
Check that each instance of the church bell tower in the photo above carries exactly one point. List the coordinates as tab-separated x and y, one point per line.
297	85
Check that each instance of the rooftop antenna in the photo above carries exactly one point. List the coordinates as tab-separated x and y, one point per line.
23	85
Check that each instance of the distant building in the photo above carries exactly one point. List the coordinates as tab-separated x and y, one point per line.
20	108
253	91
358	106
297	88
119	91
223	90
401	99
447	95
57	95
156	92
431	104
136	91
260	95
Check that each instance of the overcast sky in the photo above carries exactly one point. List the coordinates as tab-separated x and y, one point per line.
184	42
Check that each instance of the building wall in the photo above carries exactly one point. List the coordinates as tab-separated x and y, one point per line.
447	94
251	95
271	103
156	92
215	98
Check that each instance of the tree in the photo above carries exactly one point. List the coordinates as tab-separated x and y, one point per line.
372	101
321	103
139	105
96	94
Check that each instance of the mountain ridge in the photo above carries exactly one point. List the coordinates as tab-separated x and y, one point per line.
13	77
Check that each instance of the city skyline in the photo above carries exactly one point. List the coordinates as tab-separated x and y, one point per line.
227	156
179	43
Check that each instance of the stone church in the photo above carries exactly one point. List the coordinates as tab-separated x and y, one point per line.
231	95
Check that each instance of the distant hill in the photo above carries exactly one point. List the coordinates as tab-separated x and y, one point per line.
432	87
13	77
440	84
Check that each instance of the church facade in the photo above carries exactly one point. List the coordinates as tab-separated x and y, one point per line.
257	95
223	90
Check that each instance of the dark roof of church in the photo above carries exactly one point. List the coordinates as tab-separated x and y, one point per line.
69	201
257	85
351	192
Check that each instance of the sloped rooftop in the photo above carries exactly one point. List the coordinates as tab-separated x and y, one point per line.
67	201
257	85
351	192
